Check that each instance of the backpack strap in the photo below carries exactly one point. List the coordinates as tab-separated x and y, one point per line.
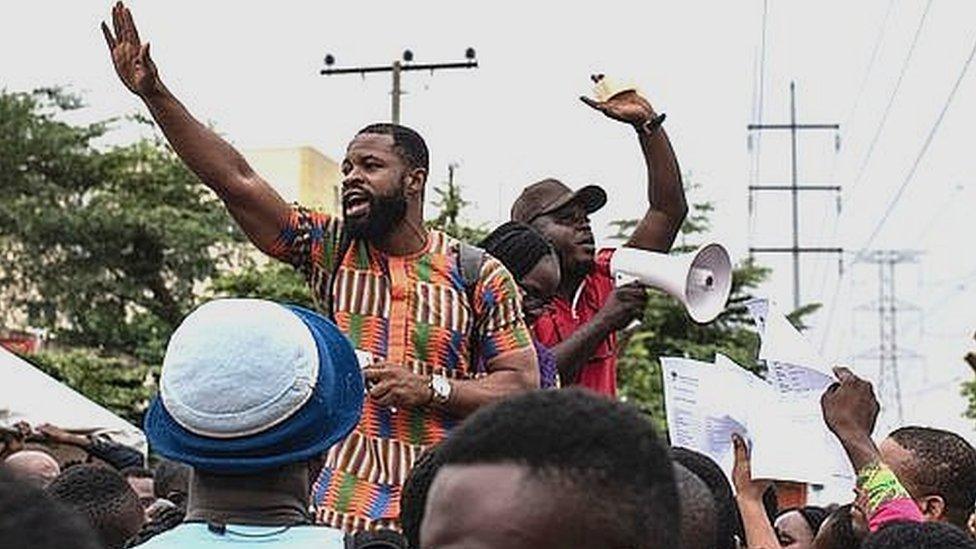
470	261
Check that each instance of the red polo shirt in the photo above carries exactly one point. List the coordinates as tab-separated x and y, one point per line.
563	318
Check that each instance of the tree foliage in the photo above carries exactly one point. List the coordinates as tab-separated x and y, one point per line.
106	247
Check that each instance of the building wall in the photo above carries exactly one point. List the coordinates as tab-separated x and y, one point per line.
300	174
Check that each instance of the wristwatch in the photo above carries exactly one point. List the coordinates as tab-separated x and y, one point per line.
650	126
440	388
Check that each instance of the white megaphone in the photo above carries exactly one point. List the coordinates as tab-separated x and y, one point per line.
700	280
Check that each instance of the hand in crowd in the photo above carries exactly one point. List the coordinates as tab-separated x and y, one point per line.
745	486
625	305
129	54
394	387
53	433
850	410
627	106
13	438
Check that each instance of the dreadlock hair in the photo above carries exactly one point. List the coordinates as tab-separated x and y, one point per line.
945	465
104	497
699	512
586	448
518	246
413	496
29	518
406	142
919	535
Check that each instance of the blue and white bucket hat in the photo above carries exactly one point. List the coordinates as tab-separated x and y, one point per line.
249	385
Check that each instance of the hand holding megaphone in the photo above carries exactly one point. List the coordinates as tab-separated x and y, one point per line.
700	280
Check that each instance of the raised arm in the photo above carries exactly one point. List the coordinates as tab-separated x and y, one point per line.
256	207
665	190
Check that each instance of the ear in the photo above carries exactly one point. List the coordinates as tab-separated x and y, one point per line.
933	507
416	180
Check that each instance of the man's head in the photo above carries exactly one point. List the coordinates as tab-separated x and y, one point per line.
699	513
844	528
33	466
104	498
796	528
384	173
250	387
532	261
563	217
728	525
413	498
140	480
938	468
29	518
553	469
919	535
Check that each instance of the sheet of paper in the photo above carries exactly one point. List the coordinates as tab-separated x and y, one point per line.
791	361
705	403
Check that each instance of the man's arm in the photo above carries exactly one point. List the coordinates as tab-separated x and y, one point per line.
624	305
256	207
511	373
665	190
394	386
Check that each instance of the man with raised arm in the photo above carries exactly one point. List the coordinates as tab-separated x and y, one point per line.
587	311
396	289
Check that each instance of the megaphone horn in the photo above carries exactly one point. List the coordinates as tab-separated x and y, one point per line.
700	280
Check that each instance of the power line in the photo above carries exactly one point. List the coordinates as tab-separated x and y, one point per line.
925	148
874	56
891	98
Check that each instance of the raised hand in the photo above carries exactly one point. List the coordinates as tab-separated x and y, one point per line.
627	106
129	54
849	406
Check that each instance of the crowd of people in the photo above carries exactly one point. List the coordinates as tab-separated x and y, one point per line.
441	394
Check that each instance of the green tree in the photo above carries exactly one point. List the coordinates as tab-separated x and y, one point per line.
450	204
105	247
274	281
115	241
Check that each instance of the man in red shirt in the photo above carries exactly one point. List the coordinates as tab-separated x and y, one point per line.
583	318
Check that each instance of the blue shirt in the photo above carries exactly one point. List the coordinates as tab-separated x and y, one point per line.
196	535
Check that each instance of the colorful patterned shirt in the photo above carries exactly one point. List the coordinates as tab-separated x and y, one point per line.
412	311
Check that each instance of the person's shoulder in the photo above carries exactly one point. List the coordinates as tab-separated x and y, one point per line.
197	535
317	537
184	535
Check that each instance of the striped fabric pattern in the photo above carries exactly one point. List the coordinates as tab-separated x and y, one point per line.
413	311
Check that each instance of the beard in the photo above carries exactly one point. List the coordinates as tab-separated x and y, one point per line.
385	213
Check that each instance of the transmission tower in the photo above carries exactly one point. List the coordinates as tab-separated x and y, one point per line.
887	307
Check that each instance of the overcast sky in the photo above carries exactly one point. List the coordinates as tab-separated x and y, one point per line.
251	68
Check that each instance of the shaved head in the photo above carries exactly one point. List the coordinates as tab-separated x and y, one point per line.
33	466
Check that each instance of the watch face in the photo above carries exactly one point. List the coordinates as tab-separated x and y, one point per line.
441	387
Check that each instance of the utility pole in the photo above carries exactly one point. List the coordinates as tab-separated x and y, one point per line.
795	189
887	307
396	68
